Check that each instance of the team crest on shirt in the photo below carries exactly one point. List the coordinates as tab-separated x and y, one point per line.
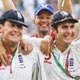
21	61
20	58
71	63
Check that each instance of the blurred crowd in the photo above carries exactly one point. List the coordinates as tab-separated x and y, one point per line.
27	7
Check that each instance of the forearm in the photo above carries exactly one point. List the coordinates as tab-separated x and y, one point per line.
8	4
65	5
44	44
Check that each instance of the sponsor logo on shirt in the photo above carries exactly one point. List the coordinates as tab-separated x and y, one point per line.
47	59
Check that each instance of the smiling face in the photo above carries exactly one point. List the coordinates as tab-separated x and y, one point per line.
65	33
12	33
43	21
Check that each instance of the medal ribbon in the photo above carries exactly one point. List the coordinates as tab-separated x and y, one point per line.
67	64
12	60
66	71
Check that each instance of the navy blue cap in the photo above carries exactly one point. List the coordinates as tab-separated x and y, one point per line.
61	16
13	16
47	7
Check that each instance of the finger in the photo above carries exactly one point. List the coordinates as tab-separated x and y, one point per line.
4	60
30	48
48	47
43	47
25	51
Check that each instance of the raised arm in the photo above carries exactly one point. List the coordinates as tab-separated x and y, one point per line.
65	5
8	4
62	5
